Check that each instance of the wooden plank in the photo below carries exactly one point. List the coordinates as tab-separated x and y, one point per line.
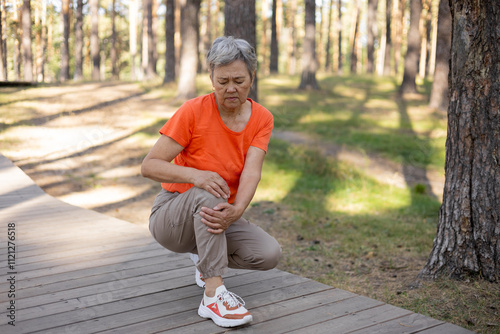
411	323
354	321
446	328
133	310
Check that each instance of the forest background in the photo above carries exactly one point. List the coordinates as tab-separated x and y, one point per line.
362	236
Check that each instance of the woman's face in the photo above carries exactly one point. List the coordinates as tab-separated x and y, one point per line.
232	83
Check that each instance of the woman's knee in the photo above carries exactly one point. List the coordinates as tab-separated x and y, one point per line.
203	198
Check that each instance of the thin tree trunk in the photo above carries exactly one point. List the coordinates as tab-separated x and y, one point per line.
79	42
3	74
3	40
408	86
155	35
292	43
273	65
371	36
354	38
113	54
190	10
398	40
388	37
44	55
65	42
468	235
434	27
439	94
340	69
263	40
240	22
149	63
207	36
309	62
424	34
170	42
94	40
328	62
27	52
133	9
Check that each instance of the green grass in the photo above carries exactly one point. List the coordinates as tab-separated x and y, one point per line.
361	112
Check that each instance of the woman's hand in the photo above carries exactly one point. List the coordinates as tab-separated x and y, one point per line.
220	217
212	182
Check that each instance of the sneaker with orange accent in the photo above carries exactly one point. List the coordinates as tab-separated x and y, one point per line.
226	309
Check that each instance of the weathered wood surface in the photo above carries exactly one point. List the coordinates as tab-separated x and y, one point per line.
78	271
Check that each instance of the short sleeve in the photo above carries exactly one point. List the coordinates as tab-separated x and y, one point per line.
263	135
180	126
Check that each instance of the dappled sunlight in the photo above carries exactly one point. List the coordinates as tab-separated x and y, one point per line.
101	196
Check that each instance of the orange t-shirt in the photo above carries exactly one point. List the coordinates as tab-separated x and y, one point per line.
210	145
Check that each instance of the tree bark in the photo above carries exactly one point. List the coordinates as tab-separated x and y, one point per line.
149	64
190	10
328	61
78	75
309	62
340	69
64	75
468	233
439	94
273	65
170	42
3	40
354	38
398	33
388	37
372	32
27	52
133	8
292	42
113	52
240	23
408	86
3	72
94	39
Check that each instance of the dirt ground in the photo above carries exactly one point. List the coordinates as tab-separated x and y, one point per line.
84	144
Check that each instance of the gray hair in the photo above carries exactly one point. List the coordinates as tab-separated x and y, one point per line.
225	50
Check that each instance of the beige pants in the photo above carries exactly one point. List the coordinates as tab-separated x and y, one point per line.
176	224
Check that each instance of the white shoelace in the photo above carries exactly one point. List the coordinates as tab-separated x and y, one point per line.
231	299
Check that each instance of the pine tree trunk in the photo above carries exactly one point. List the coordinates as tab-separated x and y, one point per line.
113	52
94	39
2	50
439	94
263	40
340	69
372	32
170	42
239	16
468	234
149	62
408	86
133	8
328	62
292	43
65	42
388	37
190	10
309	62
354	38
79	42
3	40
273	65
398	33
27	52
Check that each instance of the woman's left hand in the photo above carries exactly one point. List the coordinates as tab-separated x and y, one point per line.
220	217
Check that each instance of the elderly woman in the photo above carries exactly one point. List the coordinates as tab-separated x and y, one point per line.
217	143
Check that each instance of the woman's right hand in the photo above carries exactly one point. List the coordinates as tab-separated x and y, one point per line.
213	183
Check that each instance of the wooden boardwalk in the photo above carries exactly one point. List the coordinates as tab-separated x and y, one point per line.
78	271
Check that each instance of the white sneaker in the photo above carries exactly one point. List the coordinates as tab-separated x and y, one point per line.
226	309
197	276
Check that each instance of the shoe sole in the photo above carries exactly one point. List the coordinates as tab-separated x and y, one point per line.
206	313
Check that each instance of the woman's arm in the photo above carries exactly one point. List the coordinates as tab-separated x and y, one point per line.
157	166
219	218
